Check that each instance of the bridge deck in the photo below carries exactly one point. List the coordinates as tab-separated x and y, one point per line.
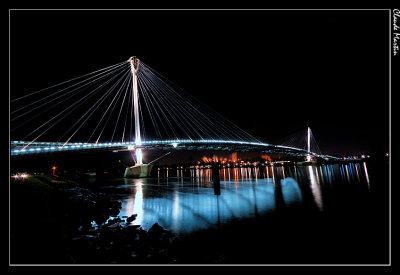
27	148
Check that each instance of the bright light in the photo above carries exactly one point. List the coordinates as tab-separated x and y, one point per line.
130	147
20	176
138	204
139	156
175	144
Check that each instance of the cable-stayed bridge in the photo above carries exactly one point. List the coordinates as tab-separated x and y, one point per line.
130	106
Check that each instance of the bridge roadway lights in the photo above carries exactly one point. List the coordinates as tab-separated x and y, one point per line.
51	147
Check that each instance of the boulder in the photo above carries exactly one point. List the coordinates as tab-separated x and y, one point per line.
156	228
131	218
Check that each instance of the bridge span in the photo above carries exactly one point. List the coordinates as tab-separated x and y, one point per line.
40	148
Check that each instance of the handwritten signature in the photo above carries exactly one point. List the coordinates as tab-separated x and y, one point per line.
396	35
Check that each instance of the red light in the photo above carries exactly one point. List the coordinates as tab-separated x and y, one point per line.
54	170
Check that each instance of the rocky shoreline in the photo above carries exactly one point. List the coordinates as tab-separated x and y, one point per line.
118	242
80	225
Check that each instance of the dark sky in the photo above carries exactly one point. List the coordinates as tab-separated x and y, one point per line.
272	73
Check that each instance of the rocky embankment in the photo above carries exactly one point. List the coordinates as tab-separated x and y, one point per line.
55	221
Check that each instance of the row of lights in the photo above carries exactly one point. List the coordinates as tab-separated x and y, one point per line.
362	156
356	157
174	143
79	145
63	147
157	142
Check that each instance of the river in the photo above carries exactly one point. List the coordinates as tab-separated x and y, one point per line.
184	200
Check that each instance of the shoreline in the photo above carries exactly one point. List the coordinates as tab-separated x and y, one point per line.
62	214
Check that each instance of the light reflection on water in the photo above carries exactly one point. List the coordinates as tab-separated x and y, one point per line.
315	187
185	202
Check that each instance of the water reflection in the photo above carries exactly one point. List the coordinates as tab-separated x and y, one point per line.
185	202
366	174
291	191
315	187
138	202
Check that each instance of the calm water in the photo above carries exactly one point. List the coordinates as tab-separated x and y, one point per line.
184	201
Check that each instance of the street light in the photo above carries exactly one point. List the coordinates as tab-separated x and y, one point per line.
54	170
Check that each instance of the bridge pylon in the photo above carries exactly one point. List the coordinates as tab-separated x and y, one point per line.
139	169
309	143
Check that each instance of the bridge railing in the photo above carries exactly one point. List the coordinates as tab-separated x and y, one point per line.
20	147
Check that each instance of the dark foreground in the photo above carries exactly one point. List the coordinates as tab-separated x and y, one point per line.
50	224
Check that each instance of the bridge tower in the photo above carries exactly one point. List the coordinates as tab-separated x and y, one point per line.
134	62
309	143
139	169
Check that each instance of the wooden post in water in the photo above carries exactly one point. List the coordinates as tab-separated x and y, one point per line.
216	180
279	201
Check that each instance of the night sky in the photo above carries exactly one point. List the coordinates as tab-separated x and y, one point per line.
272	73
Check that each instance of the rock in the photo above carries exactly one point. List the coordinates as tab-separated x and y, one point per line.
156	228
219	259
115	225
163	252
133	254
89	236
133	228
116	220
131	218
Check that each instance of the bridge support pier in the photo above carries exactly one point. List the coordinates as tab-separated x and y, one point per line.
138	171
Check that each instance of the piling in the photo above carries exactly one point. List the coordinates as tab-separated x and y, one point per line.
216	180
